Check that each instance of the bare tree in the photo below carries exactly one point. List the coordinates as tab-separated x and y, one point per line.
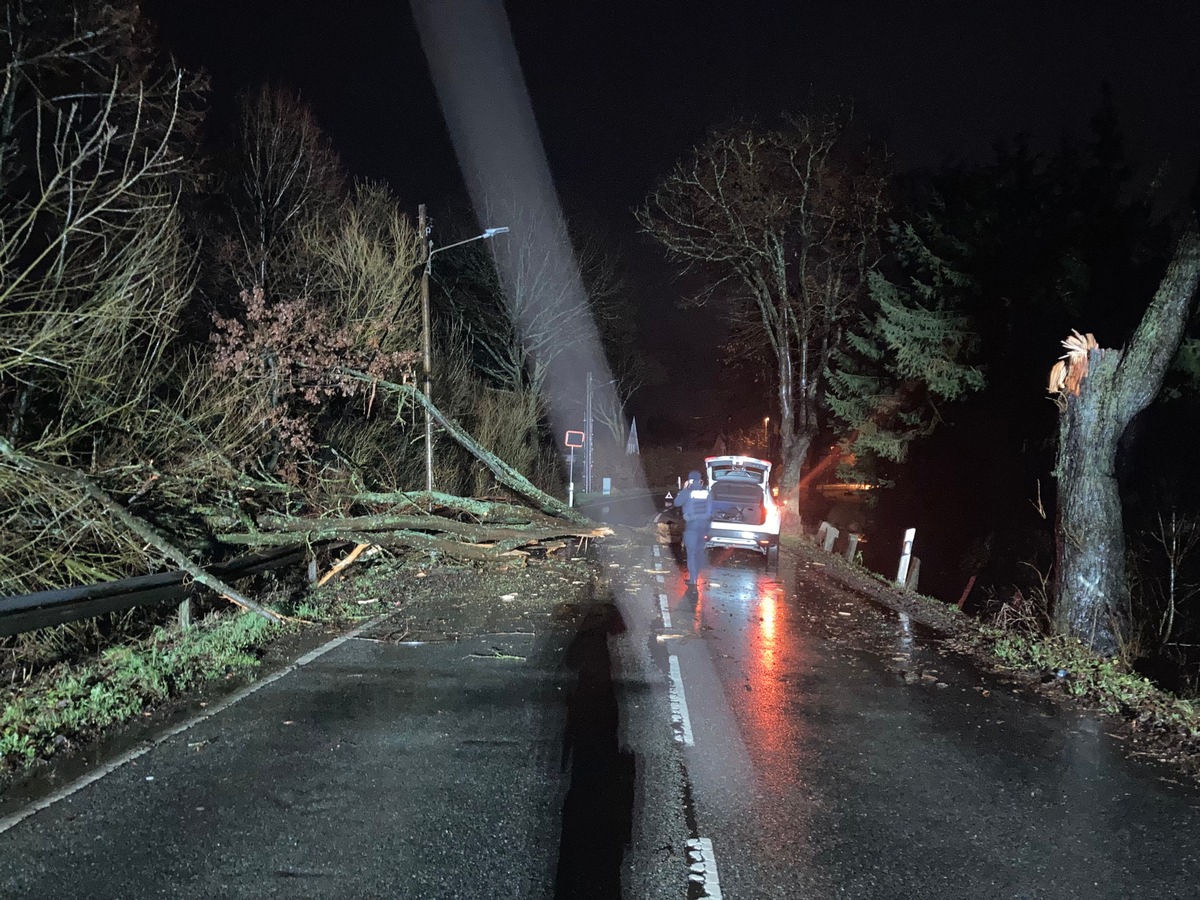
1177	537
360	310
518	330
286	174
93	275
363	266
92	269
782	227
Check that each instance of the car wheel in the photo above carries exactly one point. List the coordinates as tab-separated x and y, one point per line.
771	559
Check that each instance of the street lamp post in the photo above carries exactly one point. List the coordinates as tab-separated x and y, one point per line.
589	427
428	252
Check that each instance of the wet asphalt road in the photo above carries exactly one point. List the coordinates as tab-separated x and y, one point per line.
780	736
838	751
518	760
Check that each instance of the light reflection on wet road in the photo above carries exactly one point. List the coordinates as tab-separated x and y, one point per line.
842	752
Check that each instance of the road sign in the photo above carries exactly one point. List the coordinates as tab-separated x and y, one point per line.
573	439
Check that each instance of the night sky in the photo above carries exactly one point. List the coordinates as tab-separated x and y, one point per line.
622	89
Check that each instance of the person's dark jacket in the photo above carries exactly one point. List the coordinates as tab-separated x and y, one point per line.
695	502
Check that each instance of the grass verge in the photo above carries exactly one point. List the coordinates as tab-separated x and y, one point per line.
76	700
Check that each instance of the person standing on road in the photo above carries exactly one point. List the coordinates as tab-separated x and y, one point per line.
696	504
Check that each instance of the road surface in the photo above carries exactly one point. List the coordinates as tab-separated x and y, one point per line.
837	750
774	737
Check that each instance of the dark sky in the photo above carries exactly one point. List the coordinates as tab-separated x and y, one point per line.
622	88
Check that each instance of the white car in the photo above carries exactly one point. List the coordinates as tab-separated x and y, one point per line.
745	515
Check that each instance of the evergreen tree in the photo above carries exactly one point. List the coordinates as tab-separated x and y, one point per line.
908	353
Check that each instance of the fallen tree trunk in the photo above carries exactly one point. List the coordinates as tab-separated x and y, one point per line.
505	474
408	540
495	511
138	526
327	527
463	539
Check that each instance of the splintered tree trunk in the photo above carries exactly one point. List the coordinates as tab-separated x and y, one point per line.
1091	599
1092	589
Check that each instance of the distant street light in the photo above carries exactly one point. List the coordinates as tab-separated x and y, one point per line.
429	254
766	436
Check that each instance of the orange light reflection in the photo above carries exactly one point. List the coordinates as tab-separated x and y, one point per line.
766	646
771	658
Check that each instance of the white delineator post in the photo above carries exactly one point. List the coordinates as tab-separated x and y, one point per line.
571	479
905	556
571	440
831	536
851	547
914	574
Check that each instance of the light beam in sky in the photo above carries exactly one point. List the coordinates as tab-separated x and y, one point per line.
479	84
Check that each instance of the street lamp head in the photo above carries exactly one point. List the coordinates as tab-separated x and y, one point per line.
433	251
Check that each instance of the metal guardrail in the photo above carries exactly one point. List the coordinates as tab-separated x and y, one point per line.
29	612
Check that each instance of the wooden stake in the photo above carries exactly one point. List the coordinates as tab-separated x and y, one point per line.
966	591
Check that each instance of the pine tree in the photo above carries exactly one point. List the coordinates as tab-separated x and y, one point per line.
909	352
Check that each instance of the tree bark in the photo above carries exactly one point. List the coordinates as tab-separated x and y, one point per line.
490	546
793	453
1091	596
505	474
1091	584
491	511
322	528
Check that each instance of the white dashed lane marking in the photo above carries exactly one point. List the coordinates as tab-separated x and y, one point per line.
702	867
666	610
679	711
702	861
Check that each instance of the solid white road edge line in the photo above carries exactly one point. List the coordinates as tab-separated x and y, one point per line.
679	710
129	755
702	867
666	610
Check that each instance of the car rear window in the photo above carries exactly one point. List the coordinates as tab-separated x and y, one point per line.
754	475
730	491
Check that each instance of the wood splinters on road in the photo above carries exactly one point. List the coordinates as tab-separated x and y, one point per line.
344	562
496	653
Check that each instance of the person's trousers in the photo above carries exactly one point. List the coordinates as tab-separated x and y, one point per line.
693	546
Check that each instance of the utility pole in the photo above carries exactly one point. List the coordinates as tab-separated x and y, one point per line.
587	426
427	252
427	355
